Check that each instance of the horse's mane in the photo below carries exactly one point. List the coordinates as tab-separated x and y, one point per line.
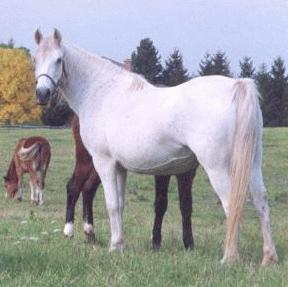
138	82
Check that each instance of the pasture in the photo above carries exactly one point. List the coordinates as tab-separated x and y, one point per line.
34	252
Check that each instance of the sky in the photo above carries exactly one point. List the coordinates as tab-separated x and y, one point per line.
114	28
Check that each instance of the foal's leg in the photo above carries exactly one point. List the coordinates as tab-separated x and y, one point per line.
261	204
185	195
33	184
88	194
19	195
160	207
39	187
33	191
73	188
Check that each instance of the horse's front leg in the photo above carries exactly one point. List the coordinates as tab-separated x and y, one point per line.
109	172
19	194
121	185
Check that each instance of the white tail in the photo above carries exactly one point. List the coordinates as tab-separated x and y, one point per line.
246	98
28	153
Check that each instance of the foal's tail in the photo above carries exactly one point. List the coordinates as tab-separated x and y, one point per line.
246	99
30	152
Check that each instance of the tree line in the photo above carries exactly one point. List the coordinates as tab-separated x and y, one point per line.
17	82
272	83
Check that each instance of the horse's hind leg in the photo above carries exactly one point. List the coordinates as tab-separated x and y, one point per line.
220	181
33	192
261	204
160	205
33	184
185	196
88	194
73	188
40	186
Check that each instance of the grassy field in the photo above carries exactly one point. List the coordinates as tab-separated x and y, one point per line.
34	252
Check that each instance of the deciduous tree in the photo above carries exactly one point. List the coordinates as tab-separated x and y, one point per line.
17	101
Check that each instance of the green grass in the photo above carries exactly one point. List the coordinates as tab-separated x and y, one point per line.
48	259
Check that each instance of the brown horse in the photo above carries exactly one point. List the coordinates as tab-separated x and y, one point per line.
32	155
86	179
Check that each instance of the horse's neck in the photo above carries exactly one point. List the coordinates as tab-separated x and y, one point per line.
11	173
84	74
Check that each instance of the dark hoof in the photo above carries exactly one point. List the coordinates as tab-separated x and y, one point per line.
91	239
189	247
156	246
188	242
20	199
68	237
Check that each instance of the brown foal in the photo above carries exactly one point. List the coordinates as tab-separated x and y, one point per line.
86	180
32	155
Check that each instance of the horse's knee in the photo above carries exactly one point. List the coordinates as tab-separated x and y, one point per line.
112	207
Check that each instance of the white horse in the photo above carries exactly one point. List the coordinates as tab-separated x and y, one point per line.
129	125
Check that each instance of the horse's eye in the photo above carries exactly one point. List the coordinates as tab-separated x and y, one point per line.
59	61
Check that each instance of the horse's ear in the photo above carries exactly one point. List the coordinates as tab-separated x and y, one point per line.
57	36
38	36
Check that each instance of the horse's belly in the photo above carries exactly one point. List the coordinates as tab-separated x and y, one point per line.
174	166
162	165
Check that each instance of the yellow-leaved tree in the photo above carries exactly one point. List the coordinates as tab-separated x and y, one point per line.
17	100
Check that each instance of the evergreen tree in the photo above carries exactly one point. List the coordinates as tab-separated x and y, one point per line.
263	81
221	66
279	90
11	43
247	68
206	65
216	64
174	73
146	61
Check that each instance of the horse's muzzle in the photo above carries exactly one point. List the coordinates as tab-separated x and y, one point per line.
43	96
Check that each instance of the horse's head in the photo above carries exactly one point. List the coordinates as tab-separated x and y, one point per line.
11	188
49	67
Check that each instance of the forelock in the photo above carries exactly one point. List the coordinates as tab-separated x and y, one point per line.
46	46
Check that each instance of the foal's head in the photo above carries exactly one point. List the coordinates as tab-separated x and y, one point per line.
49	67
11	187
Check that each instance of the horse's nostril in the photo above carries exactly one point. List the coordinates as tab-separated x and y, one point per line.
48	93
43	95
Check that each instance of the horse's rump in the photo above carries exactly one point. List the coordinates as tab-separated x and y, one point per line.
34	149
